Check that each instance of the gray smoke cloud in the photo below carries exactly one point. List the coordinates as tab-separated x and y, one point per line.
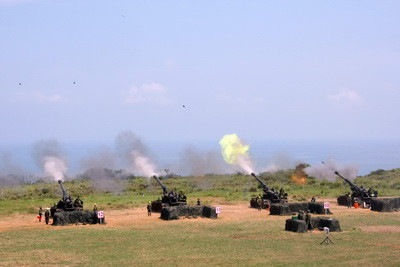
195	162
327	170
101	158
134	154
98	168
7	166
10	172
280	161
48	155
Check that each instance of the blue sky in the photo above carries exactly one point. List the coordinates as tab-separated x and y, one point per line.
265	70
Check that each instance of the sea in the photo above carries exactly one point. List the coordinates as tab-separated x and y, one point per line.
366	155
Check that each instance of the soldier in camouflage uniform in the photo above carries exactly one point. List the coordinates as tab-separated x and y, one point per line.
149	209
40	214
259	202
47	216
308	221
349	200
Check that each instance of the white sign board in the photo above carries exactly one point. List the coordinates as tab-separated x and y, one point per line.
100	214
217	210
326	205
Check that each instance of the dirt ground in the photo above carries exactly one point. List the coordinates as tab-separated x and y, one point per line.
138	218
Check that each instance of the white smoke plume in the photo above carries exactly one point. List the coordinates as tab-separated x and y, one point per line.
134	153
245	163
142	165
48	155
326	170
55	167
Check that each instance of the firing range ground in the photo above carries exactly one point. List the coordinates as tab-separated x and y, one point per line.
138	219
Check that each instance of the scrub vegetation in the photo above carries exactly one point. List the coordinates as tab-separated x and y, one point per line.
137	191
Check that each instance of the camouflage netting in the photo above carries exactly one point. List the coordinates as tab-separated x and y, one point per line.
300	226
290	208
75	217
385	204
173	213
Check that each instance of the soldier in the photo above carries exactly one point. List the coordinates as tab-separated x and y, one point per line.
149	209
313	199
349	200
301	215
68	202
78	202
40	214
47	216
171	197
308	221
198	202
281	193
259	202
370	192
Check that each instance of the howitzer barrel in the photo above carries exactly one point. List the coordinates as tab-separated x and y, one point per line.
64	197
352	185
165	190
260	181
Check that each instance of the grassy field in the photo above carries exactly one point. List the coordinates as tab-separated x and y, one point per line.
240	237
231	188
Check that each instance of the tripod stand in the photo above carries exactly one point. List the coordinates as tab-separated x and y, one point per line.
327	240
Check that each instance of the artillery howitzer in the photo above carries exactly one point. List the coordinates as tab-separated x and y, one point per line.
68	211
269	196
358	195
169	198
66	203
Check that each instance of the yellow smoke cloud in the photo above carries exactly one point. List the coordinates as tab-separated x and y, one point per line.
232	148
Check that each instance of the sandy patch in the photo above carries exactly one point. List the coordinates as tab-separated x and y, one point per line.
381	229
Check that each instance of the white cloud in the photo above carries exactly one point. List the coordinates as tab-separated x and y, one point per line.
41	97
148	93
345	96
49	98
